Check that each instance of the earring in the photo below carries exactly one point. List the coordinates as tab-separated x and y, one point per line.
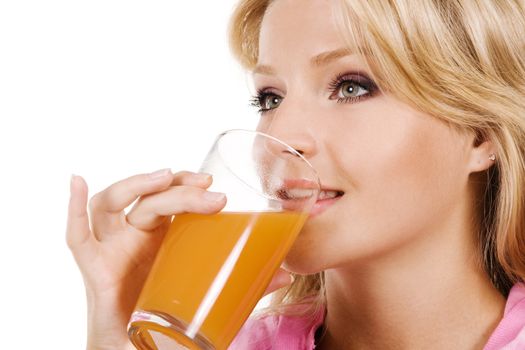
492	157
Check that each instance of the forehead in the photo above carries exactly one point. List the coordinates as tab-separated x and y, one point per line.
298	27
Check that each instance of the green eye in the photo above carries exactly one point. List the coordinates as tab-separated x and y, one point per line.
351	89
266	101
270	102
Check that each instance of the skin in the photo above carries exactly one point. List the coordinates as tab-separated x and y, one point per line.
116	253
398	248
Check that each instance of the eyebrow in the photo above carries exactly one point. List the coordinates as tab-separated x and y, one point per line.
318	60
329	56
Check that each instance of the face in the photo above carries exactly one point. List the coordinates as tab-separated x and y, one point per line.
401	173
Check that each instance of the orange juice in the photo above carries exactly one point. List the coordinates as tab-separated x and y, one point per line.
211	271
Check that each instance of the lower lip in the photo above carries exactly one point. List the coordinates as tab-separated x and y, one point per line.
322	205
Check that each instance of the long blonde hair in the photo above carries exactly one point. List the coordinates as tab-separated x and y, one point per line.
460	61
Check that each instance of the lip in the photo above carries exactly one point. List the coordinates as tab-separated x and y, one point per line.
323	204
301	184
319	206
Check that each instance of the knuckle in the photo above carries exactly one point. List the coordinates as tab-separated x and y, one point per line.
94	202
102	200
180	174
186	198
183	178
135	180
70	244
187	193
109	197
184	173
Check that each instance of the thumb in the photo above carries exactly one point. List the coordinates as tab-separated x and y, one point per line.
282	278
77	231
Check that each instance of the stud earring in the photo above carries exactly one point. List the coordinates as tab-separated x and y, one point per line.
492	157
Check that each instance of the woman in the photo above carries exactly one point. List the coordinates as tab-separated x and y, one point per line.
414	111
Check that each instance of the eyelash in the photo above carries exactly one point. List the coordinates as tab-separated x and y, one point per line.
334	86
258	99
359	79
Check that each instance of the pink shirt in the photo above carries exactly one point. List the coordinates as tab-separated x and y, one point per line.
298	333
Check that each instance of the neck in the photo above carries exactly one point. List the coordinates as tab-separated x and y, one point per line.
433	294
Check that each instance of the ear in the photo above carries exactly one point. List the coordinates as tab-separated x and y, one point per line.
482	155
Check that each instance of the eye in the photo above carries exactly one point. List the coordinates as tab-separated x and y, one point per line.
270	101
266	101
351	89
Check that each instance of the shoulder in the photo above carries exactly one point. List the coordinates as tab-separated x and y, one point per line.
278	332
510	333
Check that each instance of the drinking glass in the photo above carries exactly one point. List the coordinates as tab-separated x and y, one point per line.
211	270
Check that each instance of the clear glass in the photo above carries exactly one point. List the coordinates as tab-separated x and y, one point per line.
211	270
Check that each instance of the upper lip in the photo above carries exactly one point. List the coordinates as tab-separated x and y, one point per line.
300	183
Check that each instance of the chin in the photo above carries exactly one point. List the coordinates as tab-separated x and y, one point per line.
300	263
308	254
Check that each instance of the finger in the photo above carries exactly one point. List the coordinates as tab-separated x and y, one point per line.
150	211
282	278
77	230
188	178
120	195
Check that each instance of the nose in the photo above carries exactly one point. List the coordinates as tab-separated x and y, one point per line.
292	123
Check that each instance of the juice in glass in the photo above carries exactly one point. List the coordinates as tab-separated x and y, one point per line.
209	274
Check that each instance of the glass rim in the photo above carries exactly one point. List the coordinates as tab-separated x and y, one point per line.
273	138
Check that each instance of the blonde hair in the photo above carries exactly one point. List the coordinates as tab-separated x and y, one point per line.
460	61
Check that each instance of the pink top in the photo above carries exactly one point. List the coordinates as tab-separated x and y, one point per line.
298	333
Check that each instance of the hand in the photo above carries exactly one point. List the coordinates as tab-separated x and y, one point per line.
116	253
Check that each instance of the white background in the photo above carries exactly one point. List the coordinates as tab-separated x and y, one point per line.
103	89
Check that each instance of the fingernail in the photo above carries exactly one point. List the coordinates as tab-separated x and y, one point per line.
204	176
213	196
292	278
159	173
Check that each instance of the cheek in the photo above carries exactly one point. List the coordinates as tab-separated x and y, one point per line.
410	175
396	152
404	173
405	176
